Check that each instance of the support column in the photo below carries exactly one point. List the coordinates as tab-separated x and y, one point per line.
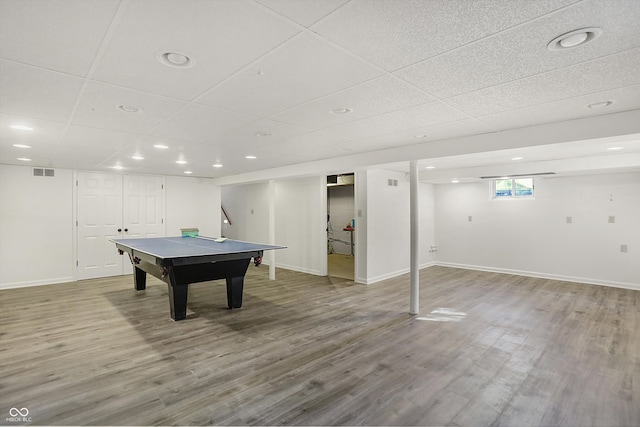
272	229
414	306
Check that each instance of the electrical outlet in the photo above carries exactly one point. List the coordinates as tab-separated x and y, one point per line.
569	220
612	219
623	249
469	218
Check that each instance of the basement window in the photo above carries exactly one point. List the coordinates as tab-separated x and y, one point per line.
507	188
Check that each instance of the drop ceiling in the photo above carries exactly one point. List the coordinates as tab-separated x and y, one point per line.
324	84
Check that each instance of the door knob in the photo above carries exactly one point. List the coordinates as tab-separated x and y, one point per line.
126	230
119	230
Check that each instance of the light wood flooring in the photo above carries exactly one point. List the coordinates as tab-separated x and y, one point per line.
341	266
487	349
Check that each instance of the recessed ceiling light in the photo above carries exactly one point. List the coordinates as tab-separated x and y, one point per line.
24	159
137	157
615	148
21	127
263	134
250	157
188	172
517	158
429	167
217	165
181	162
117	167
21	146
455	181
574	39
129	108
342	110
160	146
175	59
600	104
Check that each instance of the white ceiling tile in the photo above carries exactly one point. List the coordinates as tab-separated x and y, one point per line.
95	146
394	34
567	109
522	52
33	92
44	132
100	139
304	12
372	98
220	36
442	131
35	32
262	132
307	142
99	102
200	124
600	75
303	69
409	118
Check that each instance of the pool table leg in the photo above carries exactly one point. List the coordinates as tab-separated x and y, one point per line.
139	279
234	291
178	301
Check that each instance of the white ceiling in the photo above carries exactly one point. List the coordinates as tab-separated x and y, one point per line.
415	73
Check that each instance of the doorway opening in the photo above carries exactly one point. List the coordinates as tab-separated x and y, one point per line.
341	226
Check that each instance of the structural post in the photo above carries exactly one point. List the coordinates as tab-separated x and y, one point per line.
414	194
272	229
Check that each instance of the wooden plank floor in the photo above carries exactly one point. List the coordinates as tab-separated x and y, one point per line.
487	349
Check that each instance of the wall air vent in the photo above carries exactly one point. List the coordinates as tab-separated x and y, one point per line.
518	175
43	172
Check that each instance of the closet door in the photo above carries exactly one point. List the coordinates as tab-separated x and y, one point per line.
99	217
143	206
113	206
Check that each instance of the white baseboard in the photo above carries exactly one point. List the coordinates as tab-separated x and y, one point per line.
52	281
393	274
301	270
586	280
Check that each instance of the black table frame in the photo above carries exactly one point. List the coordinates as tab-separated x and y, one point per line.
178	273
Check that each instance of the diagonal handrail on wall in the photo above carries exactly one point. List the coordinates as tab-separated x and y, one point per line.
225	215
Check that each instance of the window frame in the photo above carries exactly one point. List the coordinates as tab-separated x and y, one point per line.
513	191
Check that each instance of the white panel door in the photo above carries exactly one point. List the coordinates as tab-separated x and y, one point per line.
99	216
143	206
110	207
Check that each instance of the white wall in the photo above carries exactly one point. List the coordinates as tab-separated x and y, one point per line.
341	210
362	227
36	227
192	202
248	210
388	225
532	237
301	221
